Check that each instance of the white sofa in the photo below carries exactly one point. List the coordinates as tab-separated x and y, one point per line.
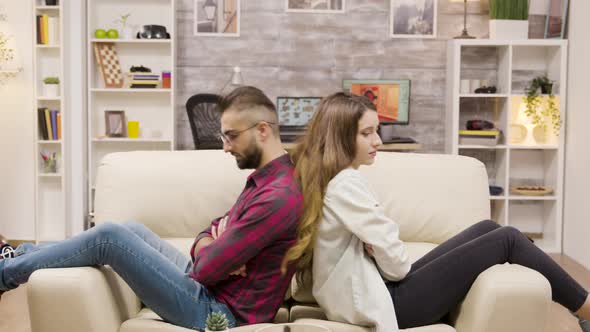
177	194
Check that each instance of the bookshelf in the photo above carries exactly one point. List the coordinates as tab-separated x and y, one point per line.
153	108
523	156
50	114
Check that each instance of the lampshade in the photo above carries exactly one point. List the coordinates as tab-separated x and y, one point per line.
210	7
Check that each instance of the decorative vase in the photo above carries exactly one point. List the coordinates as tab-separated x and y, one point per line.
51	90
509	29
127	33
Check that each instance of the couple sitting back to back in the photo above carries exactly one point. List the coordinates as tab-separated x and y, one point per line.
319	217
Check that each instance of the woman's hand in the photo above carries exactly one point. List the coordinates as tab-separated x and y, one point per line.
369	249
217	231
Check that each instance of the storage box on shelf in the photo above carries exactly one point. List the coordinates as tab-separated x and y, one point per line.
526	154
142	94
49	113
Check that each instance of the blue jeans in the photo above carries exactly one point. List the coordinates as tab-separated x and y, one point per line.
155	270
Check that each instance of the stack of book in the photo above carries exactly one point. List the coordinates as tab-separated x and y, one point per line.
479	137
47	30
144	80
49	124
291	133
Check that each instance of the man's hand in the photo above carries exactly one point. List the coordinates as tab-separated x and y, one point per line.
217	231
369	249
240	272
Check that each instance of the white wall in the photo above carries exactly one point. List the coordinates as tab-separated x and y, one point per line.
16	128
17	123
577	171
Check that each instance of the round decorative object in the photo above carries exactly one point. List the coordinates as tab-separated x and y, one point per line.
517	133
540	135
531	190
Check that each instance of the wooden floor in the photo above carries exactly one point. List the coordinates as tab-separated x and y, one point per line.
14	316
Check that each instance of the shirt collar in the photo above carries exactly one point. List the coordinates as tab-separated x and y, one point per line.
269	171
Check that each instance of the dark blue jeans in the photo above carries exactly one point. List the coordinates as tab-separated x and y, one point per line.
440	280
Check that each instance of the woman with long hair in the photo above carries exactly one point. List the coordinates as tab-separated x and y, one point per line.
351	246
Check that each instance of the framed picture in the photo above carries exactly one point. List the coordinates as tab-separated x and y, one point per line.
413	18
390	97
296	111
217	18
315	6
114	123
556	19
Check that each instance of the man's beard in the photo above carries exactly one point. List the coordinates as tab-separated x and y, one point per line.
250	158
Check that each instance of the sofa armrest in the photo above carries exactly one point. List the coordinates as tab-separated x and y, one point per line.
507	298
79	299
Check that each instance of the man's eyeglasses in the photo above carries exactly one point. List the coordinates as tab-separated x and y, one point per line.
230	136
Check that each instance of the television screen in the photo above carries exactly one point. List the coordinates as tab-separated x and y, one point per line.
391	97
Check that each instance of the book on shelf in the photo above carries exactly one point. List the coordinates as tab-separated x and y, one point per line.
49	122
47	30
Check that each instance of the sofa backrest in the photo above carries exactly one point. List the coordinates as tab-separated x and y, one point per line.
177	193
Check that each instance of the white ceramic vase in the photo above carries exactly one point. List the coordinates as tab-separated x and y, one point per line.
51	90
509	29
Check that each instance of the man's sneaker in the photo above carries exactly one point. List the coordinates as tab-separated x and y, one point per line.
6	250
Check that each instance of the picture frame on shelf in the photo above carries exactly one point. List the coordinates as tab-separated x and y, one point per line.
413	19
390	97
296	111
216	18
114	123
556	23
315	6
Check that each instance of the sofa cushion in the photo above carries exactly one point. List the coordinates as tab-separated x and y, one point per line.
171	192
432	197
343	327
304	294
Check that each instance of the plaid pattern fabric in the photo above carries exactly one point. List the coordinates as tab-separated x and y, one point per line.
261	227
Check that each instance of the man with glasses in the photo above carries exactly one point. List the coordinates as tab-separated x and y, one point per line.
237	263
239	257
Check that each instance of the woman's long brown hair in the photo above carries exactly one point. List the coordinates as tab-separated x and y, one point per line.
328	147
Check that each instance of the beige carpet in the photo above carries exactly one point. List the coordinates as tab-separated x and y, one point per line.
14	314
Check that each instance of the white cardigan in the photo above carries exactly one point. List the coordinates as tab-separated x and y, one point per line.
347	283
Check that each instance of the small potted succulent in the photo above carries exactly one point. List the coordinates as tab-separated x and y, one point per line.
51	86
216	321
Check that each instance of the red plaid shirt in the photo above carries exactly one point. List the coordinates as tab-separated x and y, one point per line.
261	227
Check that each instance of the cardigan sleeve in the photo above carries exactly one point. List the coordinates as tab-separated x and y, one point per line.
352	203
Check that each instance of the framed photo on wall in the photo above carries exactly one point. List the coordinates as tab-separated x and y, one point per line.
217	18
413	18
315	6
114	122
390	97
556	19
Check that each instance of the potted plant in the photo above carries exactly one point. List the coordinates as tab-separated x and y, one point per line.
216	321
535	109
51	86
509	19
126	30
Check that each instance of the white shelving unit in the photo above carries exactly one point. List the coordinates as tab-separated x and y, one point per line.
51	222
152	108
510	65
